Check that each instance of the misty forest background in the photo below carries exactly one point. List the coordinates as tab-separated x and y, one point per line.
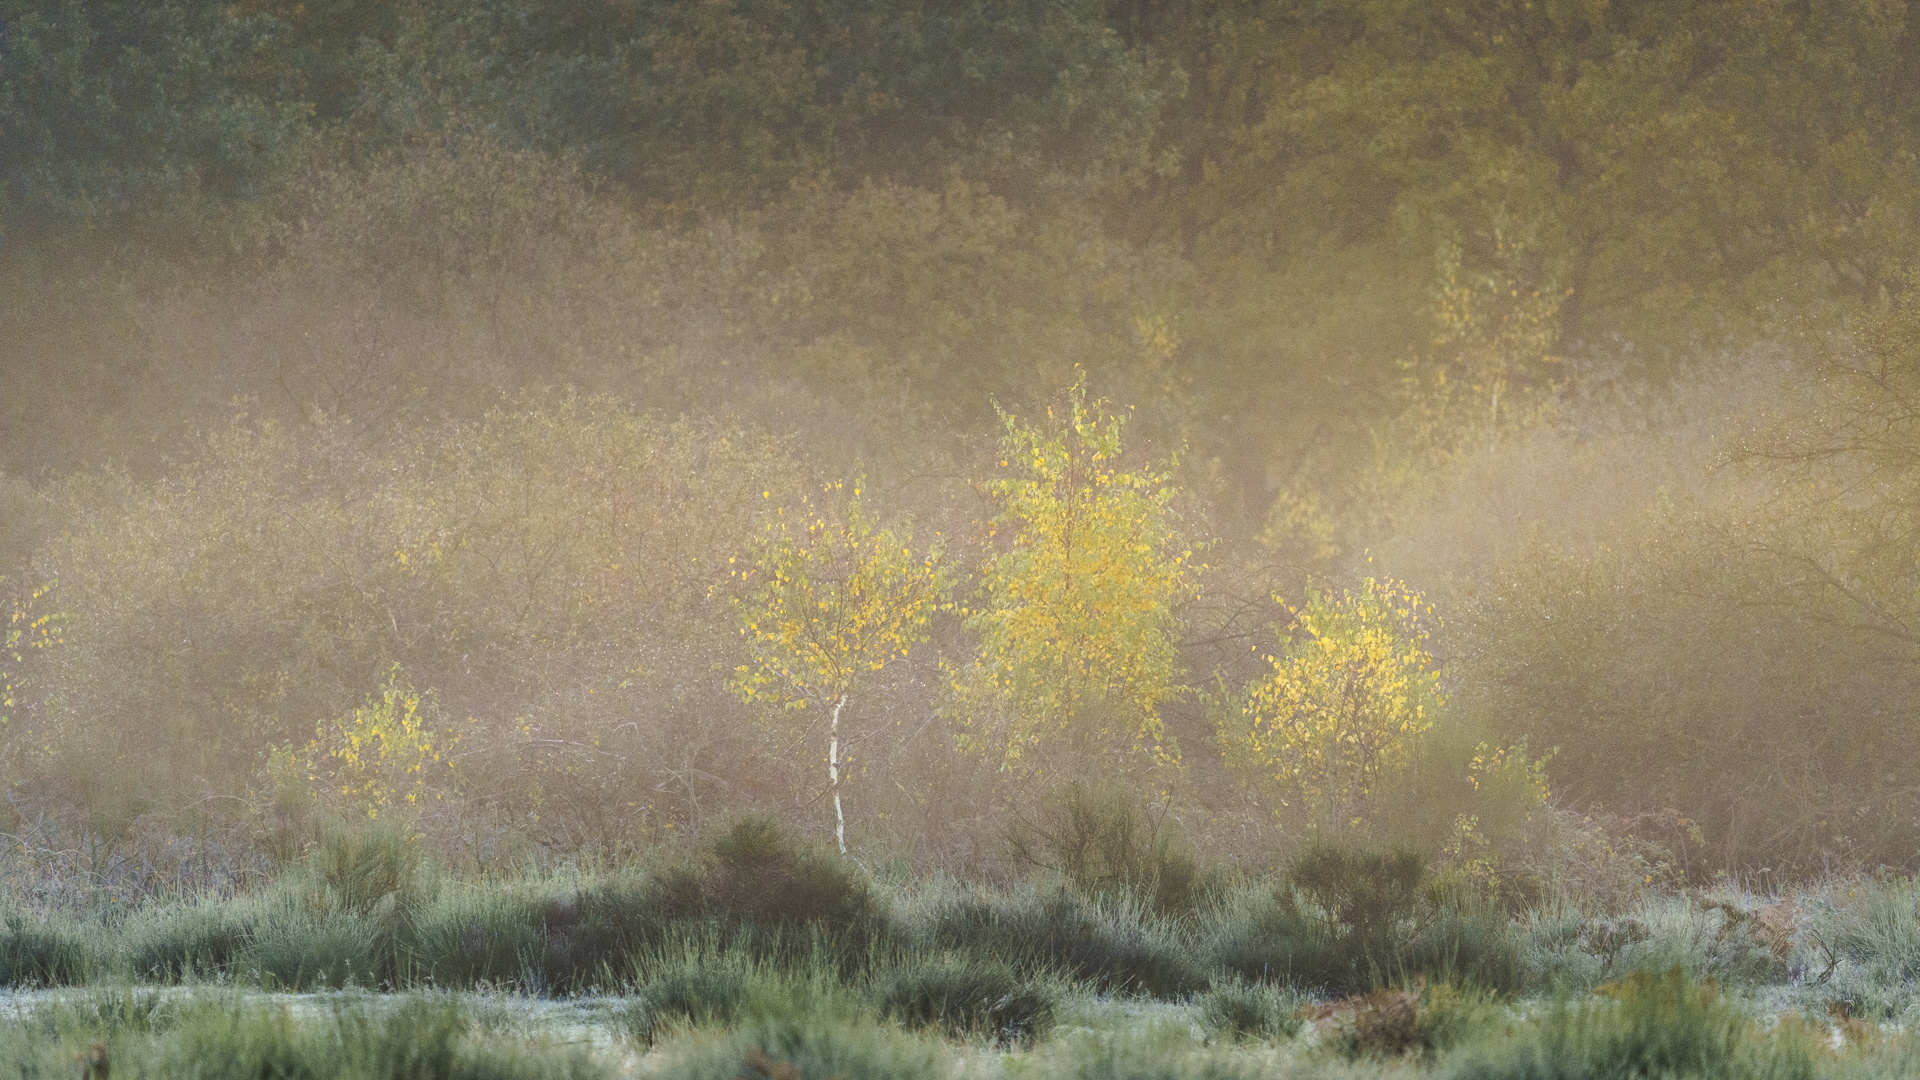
418	409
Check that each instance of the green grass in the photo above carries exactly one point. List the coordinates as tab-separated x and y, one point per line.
1037	982
967	996
1113	946
1651	1026
808	1045
36	951
223	1035
1563	946
1239	1010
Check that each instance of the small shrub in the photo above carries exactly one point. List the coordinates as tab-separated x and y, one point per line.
1395	1022
1368	900
362	863
962	996
1381	1023
756	875
1102	842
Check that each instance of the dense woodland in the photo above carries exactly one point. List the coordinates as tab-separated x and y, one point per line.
1491	425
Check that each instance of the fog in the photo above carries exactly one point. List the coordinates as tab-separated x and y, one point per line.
1494	434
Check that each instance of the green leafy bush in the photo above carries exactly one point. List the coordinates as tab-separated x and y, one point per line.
1347	918
1368	899
1102	841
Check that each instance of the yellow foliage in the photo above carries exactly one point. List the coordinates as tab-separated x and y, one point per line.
1078	634
26	632
831	598
1352	688
378	754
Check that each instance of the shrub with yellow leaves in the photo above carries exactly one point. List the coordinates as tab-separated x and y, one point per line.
1352	688
377	756
1078	632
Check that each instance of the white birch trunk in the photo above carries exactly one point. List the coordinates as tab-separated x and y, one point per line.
833	775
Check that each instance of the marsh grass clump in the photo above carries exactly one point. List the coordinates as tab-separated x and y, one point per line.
97	1012
753	875
1861	939
364	863
221	1035
963	996
1114	947
1466	943
1236	1009
424	1037
1249	935
317	950
698	987
489	936
36	951
826	1044
577	940
1876	924
760	876
184	941
1645	1025
1369	901
1564	946
1348	919
1154	1051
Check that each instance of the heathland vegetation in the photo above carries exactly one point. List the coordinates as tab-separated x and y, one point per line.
945	517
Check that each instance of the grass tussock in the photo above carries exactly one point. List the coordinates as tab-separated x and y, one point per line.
964	996
220	1035
42	952
1234	1009
809	1046
1647	1025
1113	946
